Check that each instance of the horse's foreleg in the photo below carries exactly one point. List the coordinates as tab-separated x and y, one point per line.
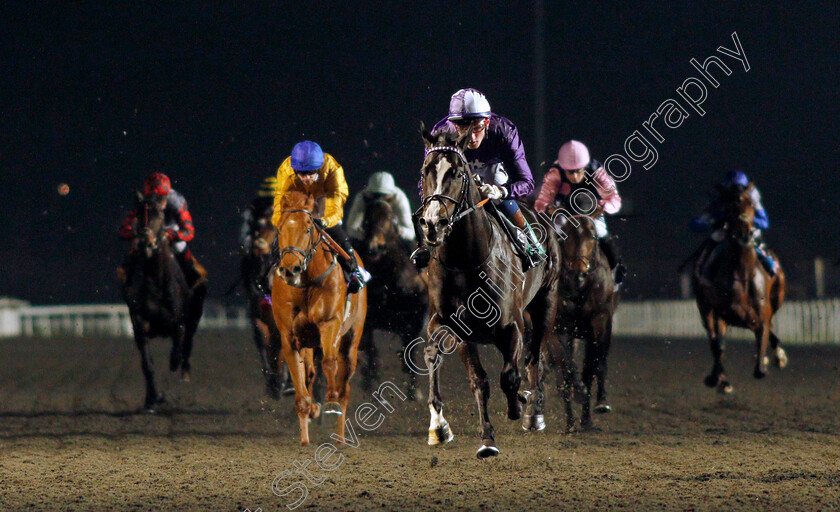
303	401
762	340
589	362
543	312
330	331
602	327
557	351
176	355
370	373
439	431
348	355
510	345
778	357
481	390
716	330
147	365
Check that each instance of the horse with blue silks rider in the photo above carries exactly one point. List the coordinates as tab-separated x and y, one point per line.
495	155
315	173
712	221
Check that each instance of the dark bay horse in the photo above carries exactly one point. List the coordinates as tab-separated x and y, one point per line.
316	317
160	302
739	292
254	267
397	300
478	293
585	312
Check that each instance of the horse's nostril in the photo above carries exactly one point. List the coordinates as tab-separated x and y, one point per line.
296	269
443	222
422	221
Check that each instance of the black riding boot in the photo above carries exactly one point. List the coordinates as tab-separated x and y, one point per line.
607	244
358	276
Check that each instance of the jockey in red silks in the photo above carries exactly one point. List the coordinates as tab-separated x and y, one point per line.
178	223
575	170
496	155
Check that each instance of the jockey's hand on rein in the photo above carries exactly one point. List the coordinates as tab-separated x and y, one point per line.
492	191
319	223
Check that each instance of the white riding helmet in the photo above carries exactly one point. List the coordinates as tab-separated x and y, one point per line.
468	104
381	183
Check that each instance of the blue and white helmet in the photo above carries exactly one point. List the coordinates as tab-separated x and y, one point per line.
736	178
468	104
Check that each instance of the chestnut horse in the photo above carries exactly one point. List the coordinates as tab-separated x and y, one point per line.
314	313
397	300
478	293
739	292
160	302
585	312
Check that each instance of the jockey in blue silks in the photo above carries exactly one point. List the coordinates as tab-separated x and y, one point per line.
712	217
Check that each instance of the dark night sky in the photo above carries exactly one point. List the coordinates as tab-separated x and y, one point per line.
217	95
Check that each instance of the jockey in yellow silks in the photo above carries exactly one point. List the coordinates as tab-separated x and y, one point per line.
311	171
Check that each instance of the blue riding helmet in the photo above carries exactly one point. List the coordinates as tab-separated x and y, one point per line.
307	156
736	178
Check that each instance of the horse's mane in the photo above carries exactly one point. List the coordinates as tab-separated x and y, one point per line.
294	199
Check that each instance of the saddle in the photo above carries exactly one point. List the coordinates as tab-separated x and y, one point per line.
517	236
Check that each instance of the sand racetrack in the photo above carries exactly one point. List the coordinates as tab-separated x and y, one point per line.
71	436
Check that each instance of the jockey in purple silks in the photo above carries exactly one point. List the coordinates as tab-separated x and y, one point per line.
496	155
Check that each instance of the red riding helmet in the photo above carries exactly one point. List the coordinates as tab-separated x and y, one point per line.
157	184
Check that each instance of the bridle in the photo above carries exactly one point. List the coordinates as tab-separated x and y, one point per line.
305	257
462	203
567	264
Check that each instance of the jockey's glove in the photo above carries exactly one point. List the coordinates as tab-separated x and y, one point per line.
320	223
492	191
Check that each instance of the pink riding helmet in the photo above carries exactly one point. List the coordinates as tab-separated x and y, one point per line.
573	155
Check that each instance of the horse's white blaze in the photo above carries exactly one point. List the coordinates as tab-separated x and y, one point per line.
432	213
437	419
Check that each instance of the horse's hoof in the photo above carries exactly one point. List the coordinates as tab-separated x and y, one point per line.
581	395
442	434
603	408
185	375
711	381
414	395
272	390
487	449
533	422
151	405
289	390
333	408
779	359
725	388
758	373
315	410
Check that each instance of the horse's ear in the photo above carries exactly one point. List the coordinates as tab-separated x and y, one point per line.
428	140
139	196
463	140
